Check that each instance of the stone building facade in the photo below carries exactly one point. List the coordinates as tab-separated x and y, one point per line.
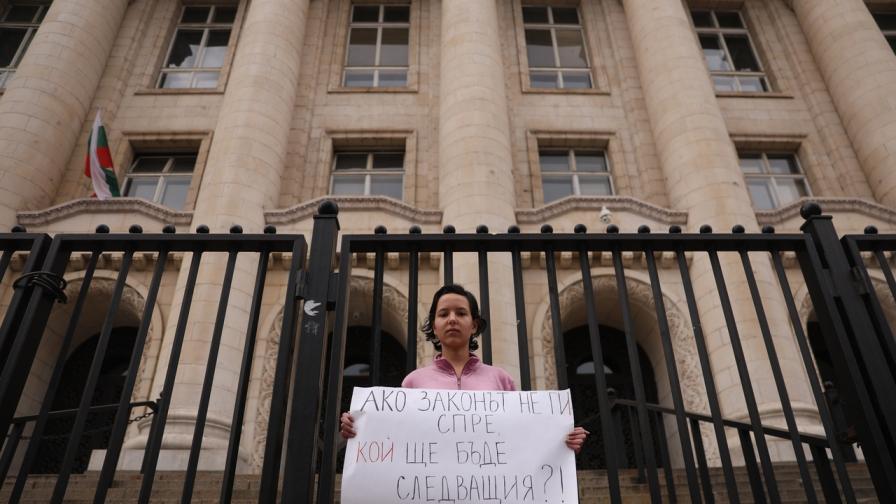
461	112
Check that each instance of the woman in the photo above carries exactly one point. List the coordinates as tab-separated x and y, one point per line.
453	324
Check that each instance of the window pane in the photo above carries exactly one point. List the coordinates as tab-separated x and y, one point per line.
143	187
205	80
10	40
215	48
366	13
752	84
729	20
712	51
590	162
760	194
886	20
553	161
387	161
724	83
394	49
543	79
539	48
388	185
150	165
195	15
183	164
535	14
175	192
556	187
393	78
358	78
892	41
351	161
397	14
571	49
790	190
591	185
21	13
783	165
185	48
741	53
172	80
565	15
362	47
702	19
576	80
348	184
751	163
224	14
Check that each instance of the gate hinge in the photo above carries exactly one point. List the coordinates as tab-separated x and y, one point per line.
302	282
858	281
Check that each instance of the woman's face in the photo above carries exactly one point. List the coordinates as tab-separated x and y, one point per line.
454	325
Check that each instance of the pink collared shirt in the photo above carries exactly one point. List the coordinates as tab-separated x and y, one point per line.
475	376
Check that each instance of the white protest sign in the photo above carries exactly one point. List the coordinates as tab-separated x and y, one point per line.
457	446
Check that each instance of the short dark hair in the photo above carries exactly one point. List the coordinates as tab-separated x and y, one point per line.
481	323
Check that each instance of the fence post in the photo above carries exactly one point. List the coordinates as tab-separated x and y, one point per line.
307	390
866	382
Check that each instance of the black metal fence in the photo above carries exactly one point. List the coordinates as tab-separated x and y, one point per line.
307	389
43	284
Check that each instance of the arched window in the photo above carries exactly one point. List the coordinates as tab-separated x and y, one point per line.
617	371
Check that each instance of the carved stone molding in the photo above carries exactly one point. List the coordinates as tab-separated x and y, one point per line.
307	209
595	203
268	372
870	209
71	208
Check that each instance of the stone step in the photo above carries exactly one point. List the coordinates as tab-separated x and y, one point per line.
593	486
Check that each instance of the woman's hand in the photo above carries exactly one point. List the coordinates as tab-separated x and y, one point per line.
347	426
574	440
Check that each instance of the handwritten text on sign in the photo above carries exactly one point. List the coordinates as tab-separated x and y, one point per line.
454	446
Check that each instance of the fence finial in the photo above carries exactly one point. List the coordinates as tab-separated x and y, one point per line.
328	207
810	209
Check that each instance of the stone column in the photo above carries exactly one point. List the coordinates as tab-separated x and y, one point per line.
44	106
241	181
475	167
860	72
703	177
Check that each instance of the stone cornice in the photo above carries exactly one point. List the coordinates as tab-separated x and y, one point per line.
829	206
596	203
353	204
139	206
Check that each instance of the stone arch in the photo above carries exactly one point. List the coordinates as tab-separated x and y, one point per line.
395	314
646	330
129	313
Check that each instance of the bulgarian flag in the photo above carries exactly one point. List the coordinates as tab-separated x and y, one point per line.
98	162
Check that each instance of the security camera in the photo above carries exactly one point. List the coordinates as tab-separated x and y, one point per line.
606	216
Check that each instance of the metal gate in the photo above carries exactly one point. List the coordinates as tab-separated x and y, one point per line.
844	279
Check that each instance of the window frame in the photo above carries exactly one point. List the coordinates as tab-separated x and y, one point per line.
380	25
162	176
771	177
368	170
206	28
8	72
719	32
573	173
552	28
